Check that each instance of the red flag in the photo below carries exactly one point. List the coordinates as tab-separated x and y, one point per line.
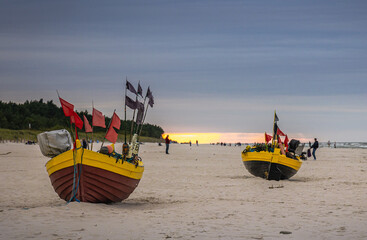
76	120
286	141
87	126
115	122
267	138
111	135
280	133
98	119
67	107
279	139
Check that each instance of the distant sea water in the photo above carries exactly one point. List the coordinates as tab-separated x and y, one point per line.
345	145
362	145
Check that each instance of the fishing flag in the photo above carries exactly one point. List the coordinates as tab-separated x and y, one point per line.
115	122
139	116
111	135
140	90
130	87
279	139
286	140
130	103
279	132
76	120
87	126
267	138
151	98
67	107
98	119
276	119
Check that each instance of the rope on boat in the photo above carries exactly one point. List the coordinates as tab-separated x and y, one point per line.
75	187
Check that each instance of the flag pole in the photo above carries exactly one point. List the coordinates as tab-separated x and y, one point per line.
273	141
132	122
91	147
272	144
141	124
125	146
125	108
86	136
146	110
108	128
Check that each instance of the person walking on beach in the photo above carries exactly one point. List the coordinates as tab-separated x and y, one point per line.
168	141
314	146
85	144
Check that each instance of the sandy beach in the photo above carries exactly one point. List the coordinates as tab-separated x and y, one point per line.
198	192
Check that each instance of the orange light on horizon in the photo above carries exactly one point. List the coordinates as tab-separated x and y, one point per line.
207	138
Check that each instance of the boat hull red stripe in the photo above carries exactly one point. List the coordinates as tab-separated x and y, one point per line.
96	185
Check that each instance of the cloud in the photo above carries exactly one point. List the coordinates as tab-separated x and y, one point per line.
212	65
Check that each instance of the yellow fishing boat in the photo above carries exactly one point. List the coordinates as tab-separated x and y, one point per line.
87	176
274	161
79	174
270	165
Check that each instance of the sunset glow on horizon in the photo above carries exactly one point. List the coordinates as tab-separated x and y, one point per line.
206	138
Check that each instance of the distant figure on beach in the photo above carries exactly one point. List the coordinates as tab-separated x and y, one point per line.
167	143
309	144
85	144
334	144
190	143
314	146
328	143
197	143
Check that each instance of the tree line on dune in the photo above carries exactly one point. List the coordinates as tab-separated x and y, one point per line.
45	116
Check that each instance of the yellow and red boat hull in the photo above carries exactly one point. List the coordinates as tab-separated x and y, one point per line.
89	176
270	165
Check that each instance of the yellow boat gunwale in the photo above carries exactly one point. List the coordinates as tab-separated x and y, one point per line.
94	159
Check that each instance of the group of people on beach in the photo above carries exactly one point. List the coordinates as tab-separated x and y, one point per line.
314	146
168	141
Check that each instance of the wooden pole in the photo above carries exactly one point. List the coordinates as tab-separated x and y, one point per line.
145	114
91	147
125	107
132	122
272	144
273	140
141	124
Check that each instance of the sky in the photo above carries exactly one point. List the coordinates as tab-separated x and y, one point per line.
213	66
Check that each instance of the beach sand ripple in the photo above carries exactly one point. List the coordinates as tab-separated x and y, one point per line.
201	192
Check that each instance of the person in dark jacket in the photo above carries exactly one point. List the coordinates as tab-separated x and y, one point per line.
85	144
167	143
314	146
